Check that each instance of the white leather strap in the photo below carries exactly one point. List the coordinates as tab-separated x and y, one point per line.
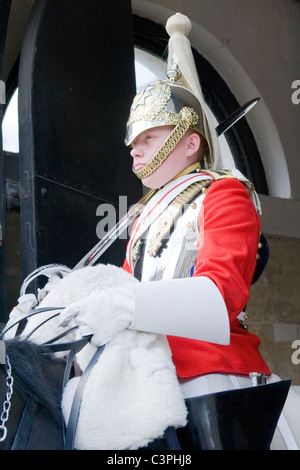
158	204
189	308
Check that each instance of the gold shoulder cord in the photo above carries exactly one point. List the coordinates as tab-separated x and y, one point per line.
172	212
151	193
174	209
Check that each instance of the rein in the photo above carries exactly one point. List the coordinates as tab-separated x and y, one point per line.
69	431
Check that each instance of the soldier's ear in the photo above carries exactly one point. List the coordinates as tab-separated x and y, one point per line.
193	143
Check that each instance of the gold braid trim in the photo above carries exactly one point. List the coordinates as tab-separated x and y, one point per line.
171	214
188	118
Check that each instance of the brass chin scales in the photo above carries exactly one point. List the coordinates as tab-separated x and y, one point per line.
188	118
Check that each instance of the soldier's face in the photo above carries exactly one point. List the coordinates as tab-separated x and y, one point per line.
146	145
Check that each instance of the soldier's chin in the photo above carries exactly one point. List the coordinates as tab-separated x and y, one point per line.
154	181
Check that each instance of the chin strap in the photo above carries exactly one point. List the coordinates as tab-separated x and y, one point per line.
188	118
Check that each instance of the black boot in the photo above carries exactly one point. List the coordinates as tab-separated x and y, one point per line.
243	419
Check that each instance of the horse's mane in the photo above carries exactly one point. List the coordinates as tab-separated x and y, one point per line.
37	373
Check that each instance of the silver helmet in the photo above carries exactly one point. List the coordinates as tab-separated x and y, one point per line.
169	102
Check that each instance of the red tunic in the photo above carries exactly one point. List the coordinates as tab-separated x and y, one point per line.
229	227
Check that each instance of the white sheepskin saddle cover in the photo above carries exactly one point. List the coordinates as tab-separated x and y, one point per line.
132	394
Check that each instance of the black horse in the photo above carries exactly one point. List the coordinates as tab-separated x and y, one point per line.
35	419
246	418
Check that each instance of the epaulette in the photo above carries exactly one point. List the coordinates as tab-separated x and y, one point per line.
218	175
233	173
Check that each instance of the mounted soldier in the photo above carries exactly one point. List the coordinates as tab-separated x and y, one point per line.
190	262
195	245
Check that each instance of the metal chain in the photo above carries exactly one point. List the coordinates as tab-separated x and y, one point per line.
7	403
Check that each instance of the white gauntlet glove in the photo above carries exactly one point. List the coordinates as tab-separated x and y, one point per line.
102	315
189	308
